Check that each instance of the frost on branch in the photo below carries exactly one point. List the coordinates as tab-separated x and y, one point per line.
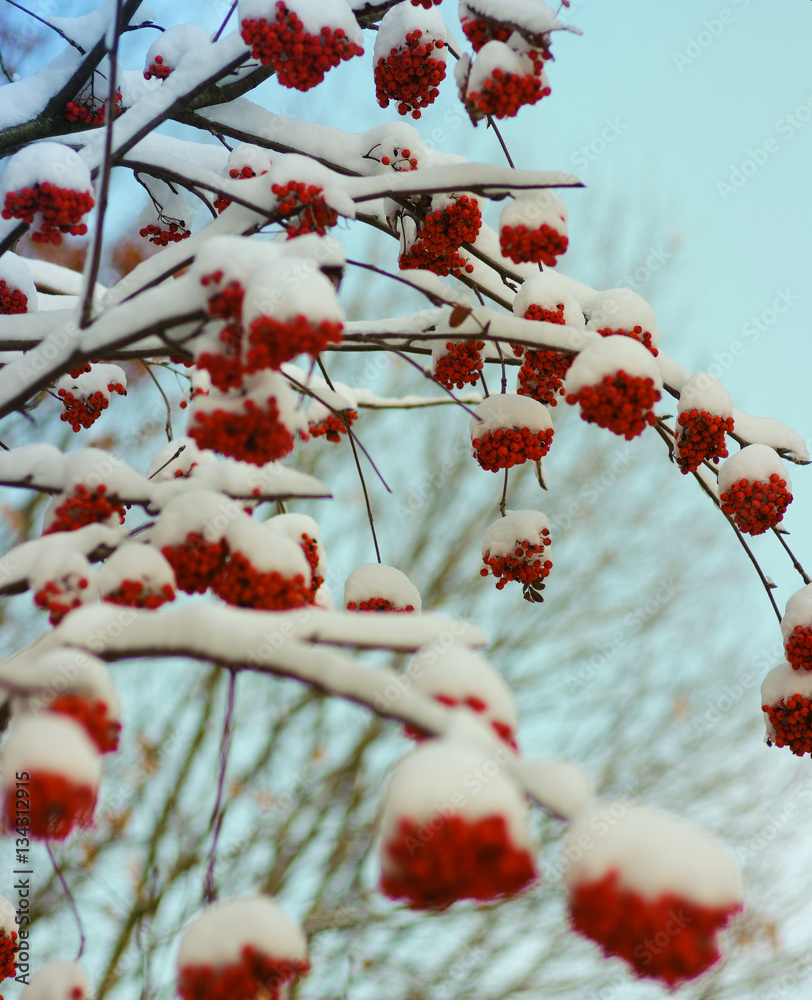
170	46
508	429
704	417
517	547
754	489
617	382
447	836
47	186
649	888
375	587
64	771
796	629
533	229
409	58
18	293
244	947
456	676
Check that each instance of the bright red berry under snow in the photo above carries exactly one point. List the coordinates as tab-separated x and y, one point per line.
508	429
754	489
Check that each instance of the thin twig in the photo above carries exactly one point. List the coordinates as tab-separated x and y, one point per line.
94	257
498	347
71	901
209	892
796	565
434	381
168	425
168	462
504	495
492	124
47	24
222	27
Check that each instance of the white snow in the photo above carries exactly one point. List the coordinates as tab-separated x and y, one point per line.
164	465
201	512
532	210
96	380
461	673
16	273
62	670
58	981
293	526
783	682
175	42
621	309
502	536
404	18
561	786
378	580
653	852
52	744
135	561
314	15
798	611
45	161
508	409
439	776
703	391
267	549
281	291
608	356
66	568
546	289
755	463
217	937
249	155
238	257
532	16
498	55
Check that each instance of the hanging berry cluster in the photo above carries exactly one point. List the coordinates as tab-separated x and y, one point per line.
452	221
239	583
59	210
84	507
272	342
315	215
299	58
791	721
756	506
168	231
700	437
503	79
533	229
60	597
459	364
798	647
637	332
8	951
221	202
196	561
332	426
410	74
251	434
254	975
94	717
83	411
92	110
622	403
157	69
526	564
136	594
542	374
376	604
508	446
12	300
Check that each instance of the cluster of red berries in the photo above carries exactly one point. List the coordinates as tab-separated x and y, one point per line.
93	716
479	31
227	303
419	256
798	648
57	602
410	75
158	69
509	446
756	507
93	110
239	583
791	718
257	975
332	427
56	805
463	859
532	246
60	210
198	391
85	506
135	594
460	365
426	4
700	437
8	950
299	58
621	920
221	202
542	374
168	232
526	564
81	369
405	157
502	94
376	604
271	342
316	215
84	412
225	369
310	547
442	233
195	562
621	403
12	300
636	333
256	435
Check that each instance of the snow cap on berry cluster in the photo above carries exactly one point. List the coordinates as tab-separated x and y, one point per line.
372	580
533	209
402	19
781	683
249	155
313	15
436	777
200	512
167	463
174	210
798	611
63	670
609	356
703	391
398	144
281	291
97	379
532	16
171	45
755	463
547	290
45	162
267	549
134	561
293	526
620	309
516	526
460	673
508	409
223	259
259	389
49	743
342	399
67	568
220	934
306	170
17	276
326	252
471	78
58	981
94	468
653	852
